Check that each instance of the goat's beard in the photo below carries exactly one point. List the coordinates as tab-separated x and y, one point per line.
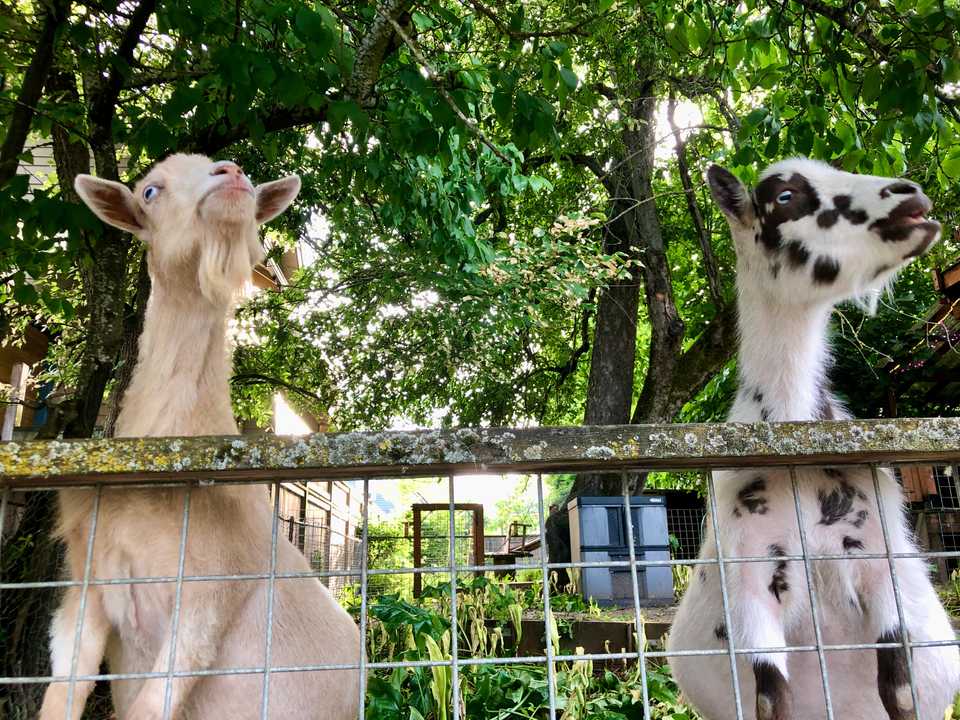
228	254
869	296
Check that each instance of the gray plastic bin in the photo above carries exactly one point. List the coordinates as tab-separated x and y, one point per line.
598	533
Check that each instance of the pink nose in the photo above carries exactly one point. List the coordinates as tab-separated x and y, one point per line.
227	168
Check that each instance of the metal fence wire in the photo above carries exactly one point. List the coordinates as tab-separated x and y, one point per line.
133	465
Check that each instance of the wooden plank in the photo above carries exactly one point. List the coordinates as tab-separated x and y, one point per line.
255	458
417	551
13	411
479	549
951	279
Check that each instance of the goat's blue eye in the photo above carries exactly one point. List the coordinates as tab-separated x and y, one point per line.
150	192
784	197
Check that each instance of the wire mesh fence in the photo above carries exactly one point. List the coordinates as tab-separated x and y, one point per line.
686	526
446	656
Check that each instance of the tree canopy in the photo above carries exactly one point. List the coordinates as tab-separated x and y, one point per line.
503	202
507	219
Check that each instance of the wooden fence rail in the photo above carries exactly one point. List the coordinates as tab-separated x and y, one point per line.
475	450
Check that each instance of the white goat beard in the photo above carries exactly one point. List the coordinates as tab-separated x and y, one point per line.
868	298
226	262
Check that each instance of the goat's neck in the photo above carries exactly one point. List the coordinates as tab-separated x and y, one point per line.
782	360
181	382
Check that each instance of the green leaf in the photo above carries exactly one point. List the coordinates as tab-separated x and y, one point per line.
951	69
25	294
182	100
422	21
291	89
736	52
951	164
502	104
538	183
342	110
772	148
555	49
871	84
312	30
156	137
569	78
549	75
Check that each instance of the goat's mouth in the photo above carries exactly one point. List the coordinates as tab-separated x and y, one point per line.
228	188
930	234
907	221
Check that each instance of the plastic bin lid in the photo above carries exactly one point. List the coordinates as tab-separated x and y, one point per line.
616	500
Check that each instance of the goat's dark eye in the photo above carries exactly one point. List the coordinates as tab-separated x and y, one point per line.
784	197
150	192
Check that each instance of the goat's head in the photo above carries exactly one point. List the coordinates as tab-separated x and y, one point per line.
198	218
809	232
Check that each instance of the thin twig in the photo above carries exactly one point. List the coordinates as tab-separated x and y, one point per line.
432	74
709	261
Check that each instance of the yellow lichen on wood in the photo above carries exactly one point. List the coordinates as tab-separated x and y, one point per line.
433	452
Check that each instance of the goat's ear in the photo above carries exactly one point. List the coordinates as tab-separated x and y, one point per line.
275	197
730	194
110	201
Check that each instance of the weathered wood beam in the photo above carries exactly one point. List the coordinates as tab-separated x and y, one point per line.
473	450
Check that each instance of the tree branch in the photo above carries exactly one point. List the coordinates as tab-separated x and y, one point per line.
103	105
569	367
215	137
372	50
575	29
733	122
861	30
141	81
260	379
34	79
709	261
707	355
442	91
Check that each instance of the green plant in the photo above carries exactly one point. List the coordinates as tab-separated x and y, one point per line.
442	684
950	593
681	573
400	629
953	712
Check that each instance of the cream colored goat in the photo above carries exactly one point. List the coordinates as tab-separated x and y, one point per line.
199	221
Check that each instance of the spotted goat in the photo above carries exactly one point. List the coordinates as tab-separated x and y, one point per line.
807	237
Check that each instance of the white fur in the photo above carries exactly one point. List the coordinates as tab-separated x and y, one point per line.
783	356
201	249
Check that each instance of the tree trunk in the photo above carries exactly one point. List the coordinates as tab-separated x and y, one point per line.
31	89
25	621
634	231
673	376
105	278
132	328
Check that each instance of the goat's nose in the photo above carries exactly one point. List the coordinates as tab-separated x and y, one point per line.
227	168
900	187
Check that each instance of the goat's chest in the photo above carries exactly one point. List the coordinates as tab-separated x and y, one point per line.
834	505
137	537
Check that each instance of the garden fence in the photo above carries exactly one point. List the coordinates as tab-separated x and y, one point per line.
627	450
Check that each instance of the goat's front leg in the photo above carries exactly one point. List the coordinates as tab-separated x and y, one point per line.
63	635
758	593
759	521
207	610
883	619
